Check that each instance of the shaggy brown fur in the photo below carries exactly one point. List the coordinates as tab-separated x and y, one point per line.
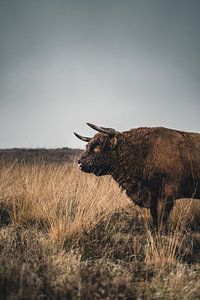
155	166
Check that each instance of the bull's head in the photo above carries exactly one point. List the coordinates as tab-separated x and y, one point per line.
100	151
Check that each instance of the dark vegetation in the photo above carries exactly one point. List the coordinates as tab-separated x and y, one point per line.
60	155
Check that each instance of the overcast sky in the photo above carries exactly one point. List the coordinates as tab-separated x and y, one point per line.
120	64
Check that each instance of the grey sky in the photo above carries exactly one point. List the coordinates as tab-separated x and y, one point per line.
119	64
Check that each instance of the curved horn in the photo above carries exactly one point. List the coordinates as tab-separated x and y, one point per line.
109	131
82	138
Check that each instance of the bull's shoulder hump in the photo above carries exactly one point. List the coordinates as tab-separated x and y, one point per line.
149	132
160	132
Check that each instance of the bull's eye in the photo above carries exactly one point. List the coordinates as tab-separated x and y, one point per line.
97	149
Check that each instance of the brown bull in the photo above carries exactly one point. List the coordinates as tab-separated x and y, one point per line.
155	166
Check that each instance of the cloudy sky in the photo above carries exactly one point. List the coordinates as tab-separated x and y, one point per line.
120	64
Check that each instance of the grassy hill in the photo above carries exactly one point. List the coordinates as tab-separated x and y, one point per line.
69	235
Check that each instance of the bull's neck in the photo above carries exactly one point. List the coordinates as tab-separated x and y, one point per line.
129	165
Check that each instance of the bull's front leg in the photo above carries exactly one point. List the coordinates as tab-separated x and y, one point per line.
165	207
144	197
154	212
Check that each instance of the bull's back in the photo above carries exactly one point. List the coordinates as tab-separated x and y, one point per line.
176	152
169	150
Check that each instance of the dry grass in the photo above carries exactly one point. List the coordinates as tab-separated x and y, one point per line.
69	235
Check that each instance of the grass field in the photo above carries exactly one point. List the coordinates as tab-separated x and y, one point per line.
69	235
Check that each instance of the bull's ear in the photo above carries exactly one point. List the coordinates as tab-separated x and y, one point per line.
113	142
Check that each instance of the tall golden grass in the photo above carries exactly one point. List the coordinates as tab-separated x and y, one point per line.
81	222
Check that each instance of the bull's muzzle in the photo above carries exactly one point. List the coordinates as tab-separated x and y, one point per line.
83	166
